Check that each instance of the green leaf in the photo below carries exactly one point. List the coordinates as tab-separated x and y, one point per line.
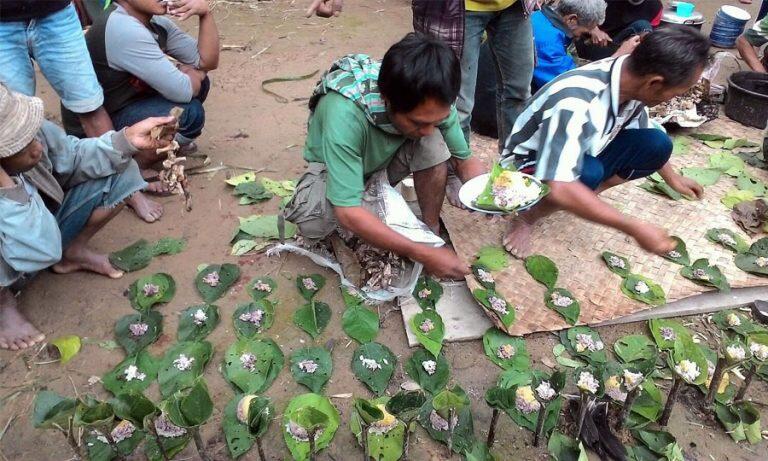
665	332
654	296
246	245
681	145
51	410
309	285
542	269
480	452
749	263
300	450
450	399
190	407
258	413
563	448
168	246
214	280
494	258
254	318
367	411
688	350
680	254
734	321
134	257
280	188
171	378
417	370
115	381
571	340
312	317
93	413
463	432
703	273
352	297
133	407
569	312
242	178
429	330
360	323
662	443
150	290
498	346
197	322
660	188
427	292
735	143
735	196
648	403
376	375
708	137
316	359
484	277
638	351
614	265
382	446
170	446
750	184
97	450
252	192
728	239
759	247
715	144
703	176
252	365
127	325
67	347
265	226
500	307
260	287
406	404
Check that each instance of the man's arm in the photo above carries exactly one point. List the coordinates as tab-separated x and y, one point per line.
749	55
441	262
578	199
467	169
207	44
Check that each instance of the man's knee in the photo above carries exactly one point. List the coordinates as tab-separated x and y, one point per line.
592	172
193	119
659	147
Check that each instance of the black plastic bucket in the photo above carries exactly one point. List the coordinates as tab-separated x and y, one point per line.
747	100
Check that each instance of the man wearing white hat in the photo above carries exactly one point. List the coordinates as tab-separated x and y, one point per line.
56	192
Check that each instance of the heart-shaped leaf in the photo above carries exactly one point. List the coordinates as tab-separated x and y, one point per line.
52	410
429	330
309	285
703	273
385	434
260	287
254	318
352	297
136	331
636	350
312	317
266	227
735	196
734	321
728	239
246	245
484	277
586	343
494	258
150	290
727	163
214	280
99	448
406	404
437	426
374	364
431	373
703	176
751	263
168	246
506	351
133	407
190	407
665	332
253	364
680	254
748	183
497	305
427	292
564	303
643	289
619	265
182	364
312	367
197	322
695	370
252	192
67	347
360	323
246	417
661	443
296	436
134	257
542	269
134	374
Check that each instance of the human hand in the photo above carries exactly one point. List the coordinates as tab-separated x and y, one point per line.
139	134
444	263
628	45
653	239
183	9
686	186
599	38
325	8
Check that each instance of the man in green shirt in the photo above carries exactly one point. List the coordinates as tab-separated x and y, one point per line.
397	115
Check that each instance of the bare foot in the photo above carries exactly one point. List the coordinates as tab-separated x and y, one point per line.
158	188
452	191
80	258
145	208
517	240
15	330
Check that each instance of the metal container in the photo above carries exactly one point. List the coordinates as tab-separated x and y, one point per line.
670	18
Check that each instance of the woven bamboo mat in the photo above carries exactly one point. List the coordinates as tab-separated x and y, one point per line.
575	245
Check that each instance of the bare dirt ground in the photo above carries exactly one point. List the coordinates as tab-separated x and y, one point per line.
280	42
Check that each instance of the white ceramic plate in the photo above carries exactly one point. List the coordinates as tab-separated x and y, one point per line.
475	186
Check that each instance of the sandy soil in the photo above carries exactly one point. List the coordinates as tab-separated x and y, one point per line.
280	42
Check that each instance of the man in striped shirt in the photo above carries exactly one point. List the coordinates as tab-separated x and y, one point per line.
588	130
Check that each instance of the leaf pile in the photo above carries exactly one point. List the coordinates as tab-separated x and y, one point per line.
256	232
139	254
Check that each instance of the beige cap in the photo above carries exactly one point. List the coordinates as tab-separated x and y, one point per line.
20	119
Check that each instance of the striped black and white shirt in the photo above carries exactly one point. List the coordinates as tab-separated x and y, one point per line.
574	115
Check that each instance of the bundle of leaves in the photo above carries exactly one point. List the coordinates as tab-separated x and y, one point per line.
251	192
523	402
139	254
313	316
755	260
256	232
308	414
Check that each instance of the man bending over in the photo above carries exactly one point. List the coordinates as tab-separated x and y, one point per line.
395	115
589	130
